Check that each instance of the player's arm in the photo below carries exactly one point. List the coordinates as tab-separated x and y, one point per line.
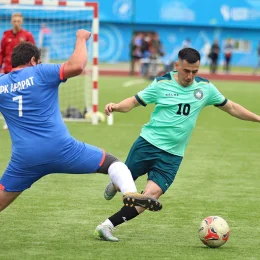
240	112
144	97
123	107
78	60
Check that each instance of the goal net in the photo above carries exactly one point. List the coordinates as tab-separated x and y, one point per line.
54	25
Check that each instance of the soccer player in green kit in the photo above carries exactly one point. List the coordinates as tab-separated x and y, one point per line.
179	96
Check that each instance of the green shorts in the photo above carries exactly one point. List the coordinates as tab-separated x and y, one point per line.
161	166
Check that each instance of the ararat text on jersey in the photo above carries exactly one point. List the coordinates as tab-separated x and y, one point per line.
20	85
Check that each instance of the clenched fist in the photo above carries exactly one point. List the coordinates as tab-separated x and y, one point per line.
83	34
111	107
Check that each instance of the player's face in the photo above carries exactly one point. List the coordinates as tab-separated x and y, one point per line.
186	72
17	22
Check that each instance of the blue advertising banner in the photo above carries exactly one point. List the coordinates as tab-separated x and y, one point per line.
220	13
174	20
115	42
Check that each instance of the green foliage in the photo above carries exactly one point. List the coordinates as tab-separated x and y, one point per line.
56	217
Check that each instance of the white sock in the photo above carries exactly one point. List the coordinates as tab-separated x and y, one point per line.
107	222
121	177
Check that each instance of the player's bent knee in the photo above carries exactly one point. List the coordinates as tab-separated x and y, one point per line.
154	191
110	159
153	187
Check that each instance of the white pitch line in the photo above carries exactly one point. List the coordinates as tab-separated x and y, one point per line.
133	82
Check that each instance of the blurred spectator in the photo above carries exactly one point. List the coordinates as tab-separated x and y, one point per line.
186	43
138	39
258	58
45	43
156	50
228	49
9	40
169	59
135	51
205	60
214	55
146	53
168	62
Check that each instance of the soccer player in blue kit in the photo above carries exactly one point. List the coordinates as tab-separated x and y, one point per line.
41	142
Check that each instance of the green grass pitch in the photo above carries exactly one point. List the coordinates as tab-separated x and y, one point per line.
56	217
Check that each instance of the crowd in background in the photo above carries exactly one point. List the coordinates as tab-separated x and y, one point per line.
148	55
214	55
146	50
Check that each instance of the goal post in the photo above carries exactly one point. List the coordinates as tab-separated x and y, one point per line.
54	25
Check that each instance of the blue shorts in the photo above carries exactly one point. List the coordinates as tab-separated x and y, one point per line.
83	158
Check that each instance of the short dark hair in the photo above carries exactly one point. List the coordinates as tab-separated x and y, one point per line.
23	52
189	54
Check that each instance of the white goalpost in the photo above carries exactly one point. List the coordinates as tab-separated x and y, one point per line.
54	25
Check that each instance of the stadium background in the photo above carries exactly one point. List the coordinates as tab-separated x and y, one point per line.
202	20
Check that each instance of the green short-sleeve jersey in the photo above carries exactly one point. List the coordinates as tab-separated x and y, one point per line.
176	110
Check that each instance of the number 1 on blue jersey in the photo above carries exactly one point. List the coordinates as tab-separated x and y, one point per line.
20	104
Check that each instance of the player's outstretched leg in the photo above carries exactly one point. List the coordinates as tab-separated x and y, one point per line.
121	177
132	199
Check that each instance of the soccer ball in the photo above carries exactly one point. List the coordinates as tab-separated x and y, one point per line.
214	231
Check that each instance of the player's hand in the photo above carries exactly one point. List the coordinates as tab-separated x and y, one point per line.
109	108
83	34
